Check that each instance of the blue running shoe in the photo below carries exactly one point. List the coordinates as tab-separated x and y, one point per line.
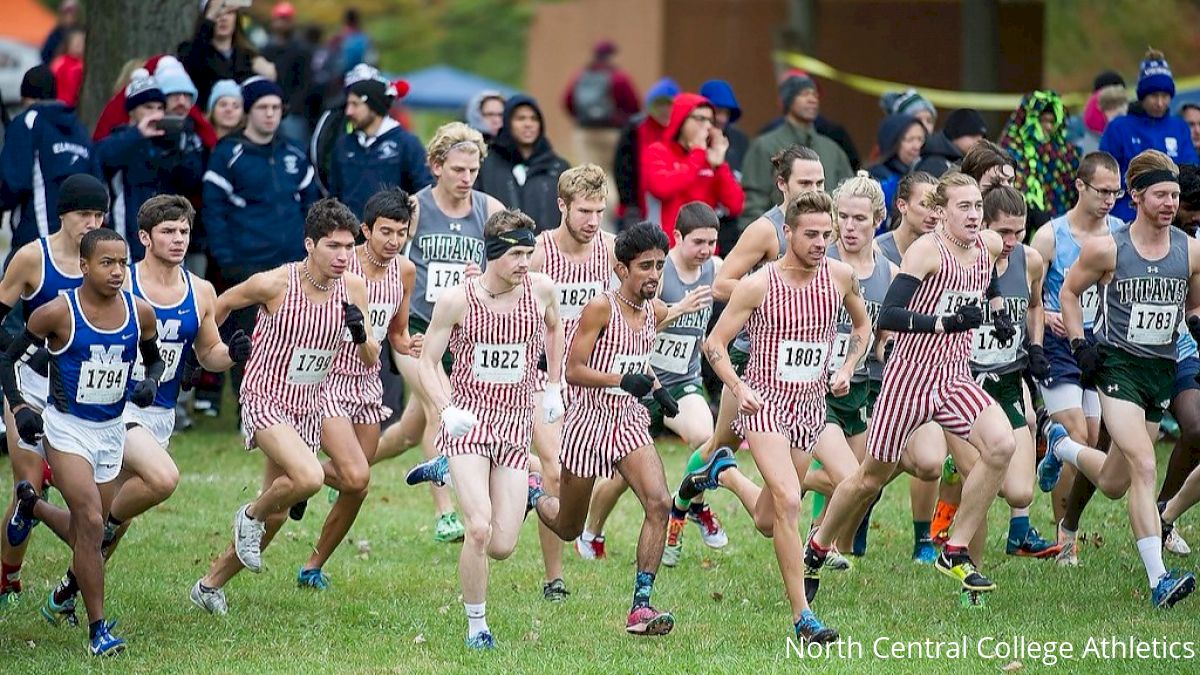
104	643
924	552
1171	588
481	640
810	629
433	471
22	521
705	477
312	578
1050	467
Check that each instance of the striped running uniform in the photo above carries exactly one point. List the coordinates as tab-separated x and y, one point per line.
790	337
495	368
293	351
575	282
928	376
604	425
353	389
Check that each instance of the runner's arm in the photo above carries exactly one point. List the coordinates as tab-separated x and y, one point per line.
399	338
1192	306
921	260
356	291
555	337
1035	313
592	321
752	248
448	311
746	297
211	352
148	345
45	322
1097	257
860	319
263	288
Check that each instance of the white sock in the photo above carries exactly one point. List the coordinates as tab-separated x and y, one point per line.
476	618
587	536
1068	450
1069	534
1150	548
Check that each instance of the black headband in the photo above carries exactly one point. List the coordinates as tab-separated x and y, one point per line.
1145	180
498	245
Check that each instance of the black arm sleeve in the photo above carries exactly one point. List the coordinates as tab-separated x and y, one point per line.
5	338
8	367
895	314
151	359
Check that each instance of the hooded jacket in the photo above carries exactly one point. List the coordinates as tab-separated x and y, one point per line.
1126	136
42	146
891	131
362	165
676	176
641	132
938	155
255	198
519	182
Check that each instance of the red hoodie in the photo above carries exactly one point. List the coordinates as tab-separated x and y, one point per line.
676	176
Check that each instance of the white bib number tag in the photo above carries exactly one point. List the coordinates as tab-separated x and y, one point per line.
1090	300
499	363
572	297
309	366
986	349
673	353
841	346
442	275
952	300
1152	324
624	364
171	353
380	318
801	361
101	383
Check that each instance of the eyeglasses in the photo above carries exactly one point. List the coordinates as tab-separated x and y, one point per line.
1115	194
703	119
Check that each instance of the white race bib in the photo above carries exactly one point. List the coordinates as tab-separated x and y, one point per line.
1090	300
952	300
623	364
499	363
572	297
673	353
309	366
442	275
986	349
171	353
801	361
841	345
101	383
380	318
1152	324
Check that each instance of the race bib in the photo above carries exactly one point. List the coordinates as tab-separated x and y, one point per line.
499	363
380	318
1152	324
624	364
1090	300
101	383
171	353
986	349
952	300
673	353
572	297
442	275
801	361
308	366
841	346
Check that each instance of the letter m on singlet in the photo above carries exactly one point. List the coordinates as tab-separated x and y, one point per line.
168	330
106	354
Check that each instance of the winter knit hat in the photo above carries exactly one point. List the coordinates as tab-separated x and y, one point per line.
1154	76
173	79
374	89
142	89
222	89
964	122
39	84
1107	79
791	87
257	87
82	192
908	102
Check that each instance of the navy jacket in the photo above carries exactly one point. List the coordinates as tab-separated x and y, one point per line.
1129	134
537	193
362	166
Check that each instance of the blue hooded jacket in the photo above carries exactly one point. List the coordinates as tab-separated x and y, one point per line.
720	94
1126	136
42	147
362	166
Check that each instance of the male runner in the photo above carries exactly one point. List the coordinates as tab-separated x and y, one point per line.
37	273
352	395
1148	273
305	308
790	310
497	325
94	334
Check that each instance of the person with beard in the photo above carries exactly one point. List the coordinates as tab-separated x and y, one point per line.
521	169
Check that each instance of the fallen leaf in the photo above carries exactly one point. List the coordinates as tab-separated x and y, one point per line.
364	547
531	636
706	564
1097	540
443	609
718	596
1012	667
420	639
31	644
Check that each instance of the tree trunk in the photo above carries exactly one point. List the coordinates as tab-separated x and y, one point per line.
120	30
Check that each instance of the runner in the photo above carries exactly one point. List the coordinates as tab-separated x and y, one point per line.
606	426
790	311
497	337
352	405
305	310
1147	274
94	334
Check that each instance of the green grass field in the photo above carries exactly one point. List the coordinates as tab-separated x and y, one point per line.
394	604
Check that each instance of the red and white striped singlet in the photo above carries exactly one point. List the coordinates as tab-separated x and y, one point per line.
620	349
576	283
383	301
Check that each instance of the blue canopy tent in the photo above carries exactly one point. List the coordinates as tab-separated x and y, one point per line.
444	87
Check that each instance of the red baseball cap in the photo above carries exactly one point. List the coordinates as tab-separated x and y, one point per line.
283	10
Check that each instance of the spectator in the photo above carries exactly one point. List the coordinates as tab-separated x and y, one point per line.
376	153
1149	125
219	50
720	94
801	103
225	110
1104	106
643	130
601	99
43	145
964	128
293	63
68	66
146	158
115	115
1035	136
688	163
521	169
68	18
900	138
1190	112
910	102
176	86
350	46
823	125
485	114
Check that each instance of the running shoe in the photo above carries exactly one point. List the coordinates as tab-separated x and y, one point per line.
22	522
1032	546
710	528
536	492
962	569
104	643
110	535
247	539
1068	555
57	614
449	528
10	597
673	549
431	471
950	474
810	629
924	552
297	511
705	477
211	600
1173	542
555	590
312	578
1171	588
649	621
943	518
1050	467
481	640
591	550
813	561
837	562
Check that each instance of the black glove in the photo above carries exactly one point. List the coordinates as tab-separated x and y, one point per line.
191	373
144	393
39	362
638	384
888	348
968	317
1002	328
1039	365
240	346
1089	358
667	402
29	424
356	323
1193	324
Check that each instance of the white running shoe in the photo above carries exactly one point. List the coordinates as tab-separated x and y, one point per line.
710	528
211	600
247	539
590	550
1175	544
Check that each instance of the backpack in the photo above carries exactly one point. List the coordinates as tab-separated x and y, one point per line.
592	98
